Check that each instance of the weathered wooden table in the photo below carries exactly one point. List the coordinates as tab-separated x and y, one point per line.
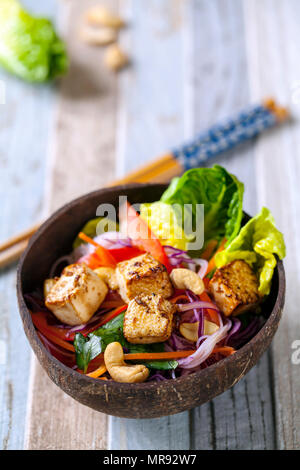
193	62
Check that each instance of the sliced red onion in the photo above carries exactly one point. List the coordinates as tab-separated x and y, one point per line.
179	343
93	320
196	305
205	349
177	256
109	240
198	312
158	377
235	328
203	267
112	240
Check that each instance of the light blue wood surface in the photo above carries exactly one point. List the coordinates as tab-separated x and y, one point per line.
190	69
23	150
193	86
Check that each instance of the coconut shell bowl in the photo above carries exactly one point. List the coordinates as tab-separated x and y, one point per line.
144	400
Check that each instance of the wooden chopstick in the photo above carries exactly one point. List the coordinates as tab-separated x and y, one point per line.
160	170
12	253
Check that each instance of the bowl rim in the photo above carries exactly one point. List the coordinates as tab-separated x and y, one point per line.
127	387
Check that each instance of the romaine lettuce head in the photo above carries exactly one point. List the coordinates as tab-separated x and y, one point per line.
162	219
221	194
29	47
257	243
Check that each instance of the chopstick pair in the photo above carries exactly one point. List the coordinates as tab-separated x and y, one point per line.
219	138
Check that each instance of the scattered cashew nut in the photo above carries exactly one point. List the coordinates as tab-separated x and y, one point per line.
98	37
115	58
108	275
186	279
119	370
190	330
100	15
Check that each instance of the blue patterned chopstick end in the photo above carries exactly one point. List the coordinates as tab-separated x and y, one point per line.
225	136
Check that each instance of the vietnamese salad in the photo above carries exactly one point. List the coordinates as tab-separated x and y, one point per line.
140	303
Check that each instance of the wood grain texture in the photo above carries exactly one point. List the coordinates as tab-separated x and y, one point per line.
82	159
242	417
151	119
83	145
210	77
22	168
272	35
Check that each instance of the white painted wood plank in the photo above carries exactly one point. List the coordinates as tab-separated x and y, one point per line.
168	433
151	92
82	159
151	121
25	120
242	417
273	36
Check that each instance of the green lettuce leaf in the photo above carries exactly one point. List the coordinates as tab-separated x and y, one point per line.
257	243
164	222
29	47
221	194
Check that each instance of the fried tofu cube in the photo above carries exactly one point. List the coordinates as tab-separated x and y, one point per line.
76	295
148	319
142	275
234	288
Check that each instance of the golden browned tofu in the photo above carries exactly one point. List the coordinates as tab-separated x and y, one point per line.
148	319
234	288
142	275
76	295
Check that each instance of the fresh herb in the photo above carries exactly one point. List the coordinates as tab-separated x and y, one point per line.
96	343
86	349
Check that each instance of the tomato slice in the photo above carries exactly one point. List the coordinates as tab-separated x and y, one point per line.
101	256
62	336
92	260
142	236
128	252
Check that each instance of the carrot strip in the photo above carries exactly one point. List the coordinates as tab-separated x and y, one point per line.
56	339
212	264
96	373
87	239
210	312
112	304
179	297
210	248
104	255
227	350
157	356
110	315
206	282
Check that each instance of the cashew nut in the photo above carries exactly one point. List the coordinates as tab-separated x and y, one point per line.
108	275
98	37
119	370
186	279
100	15
115	59
48	284
190	330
